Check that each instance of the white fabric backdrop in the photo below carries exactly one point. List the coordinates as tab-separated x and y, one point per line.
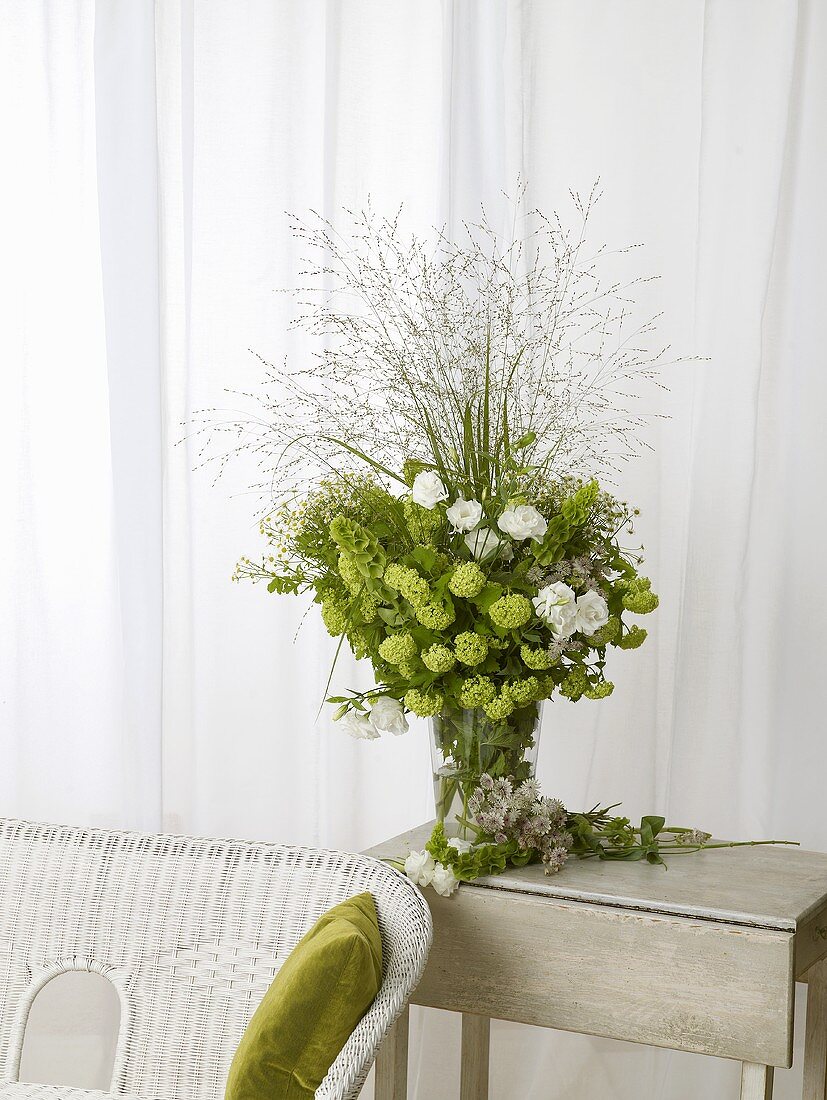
139	686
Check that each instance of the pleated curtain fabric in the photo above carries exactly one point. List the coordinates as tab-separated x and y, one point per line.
139	685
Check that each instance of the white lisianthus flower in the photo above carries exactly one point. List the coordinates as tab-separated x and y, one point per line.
464	515
419	867
460	845
556	604
523	522
443	880
428	489
482	542
358	725
388	715
592	612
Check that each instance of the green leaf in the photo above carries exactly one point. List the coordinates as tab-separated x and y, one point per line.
489	595
654	823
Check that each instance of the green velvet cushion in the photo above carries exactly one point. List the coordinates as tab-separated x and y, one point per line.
322	991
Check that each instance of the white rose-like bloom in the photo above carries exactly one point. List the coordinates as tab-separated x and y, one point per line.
592	612
428	489
464	515
482	542
459	844
419	867
556	604
358	725
388	715
523	522
443	880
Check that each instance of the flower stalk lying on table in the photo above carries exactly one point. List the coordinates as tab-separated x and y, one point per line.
515	825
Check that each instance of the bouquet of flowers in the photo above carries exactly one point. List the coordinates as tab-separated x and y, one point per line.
432	482
438	469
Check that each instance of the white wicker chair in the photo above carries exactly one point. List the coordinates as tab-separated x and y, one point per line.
191	933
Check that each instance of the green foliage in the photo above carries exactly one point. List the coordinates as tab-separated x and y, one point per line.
573	515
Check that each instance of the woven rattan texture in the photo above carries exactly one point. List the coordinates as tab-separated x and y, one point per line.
191	932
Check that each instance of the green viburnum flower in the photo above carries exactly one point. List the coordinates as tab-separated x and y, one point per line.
434	616
476	691
638	595
500	706
423	523
407	582
600	691
423	703
575	684
467	580
349	572
536	658
438	658
358	643
511	611
397	648
334	616
524	691
635	637
470	648
640	603
369	606
407	669
607	633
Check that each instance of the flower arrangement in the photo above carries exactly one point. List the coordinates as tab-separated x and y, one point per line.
442	504
433	482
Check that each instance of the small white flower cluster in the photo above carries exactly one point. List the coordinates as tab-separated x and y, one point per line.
387	715
422	869
519	522
566	613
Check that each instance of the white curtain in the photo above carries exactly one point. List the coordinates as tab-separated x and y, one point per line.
142	206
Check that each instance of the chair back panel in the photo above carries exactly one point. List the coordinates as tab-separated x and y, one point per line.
191	932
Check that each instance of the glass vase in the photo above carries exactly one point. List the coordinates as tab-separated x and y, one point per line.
467	743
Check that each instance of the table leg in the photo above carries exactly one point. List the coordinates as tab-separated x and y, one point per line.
391	1082
756	1081
815	1034
476	1033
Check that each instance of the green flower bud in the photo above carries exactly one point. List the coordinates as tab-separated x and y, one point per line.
408	583
524	691
575	684
500	706
333	616
434	616
476	691
467	580
438	659
470	648
600	691
397	648
511	611
349	572
634	637
536	658
423	703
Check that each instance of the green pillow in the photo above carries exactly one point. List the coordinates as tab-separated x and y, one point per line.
322	991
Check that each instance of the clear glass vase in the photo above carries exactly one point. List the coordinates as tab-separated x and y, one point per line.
467	743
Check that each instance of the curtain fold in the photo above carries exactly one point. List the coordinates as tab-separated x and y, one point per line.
154	150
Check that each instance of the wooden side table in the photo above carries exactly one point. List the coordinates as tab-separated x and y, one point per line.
702	957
